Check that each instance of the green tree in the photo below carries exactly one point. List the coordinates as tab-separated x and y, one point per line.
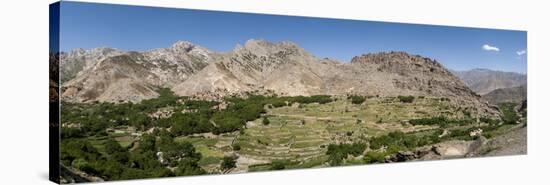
79	163
236	147
265	121
374	157
111	146
278	165
189	166
147	143
406	99
228	162
357	99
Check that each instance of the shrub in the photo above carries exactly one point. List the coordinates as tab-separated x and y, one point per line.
265	121
406	99
338	152
374	157
445	99
228	163
278	165
236	147
510	116
357	99
79	163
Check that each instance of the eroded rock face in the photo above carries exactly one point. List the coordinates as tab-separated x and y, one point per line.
401	156
111	75
258	66
77	60
115	79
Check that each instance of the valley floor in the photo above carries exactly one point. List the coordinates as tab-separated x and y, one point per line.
308	135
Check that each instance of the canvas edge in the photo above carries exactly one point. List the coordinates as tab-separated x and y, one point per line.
54	29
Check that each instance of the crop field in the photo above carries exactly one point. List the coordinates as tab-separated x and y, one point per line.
300	133
261	133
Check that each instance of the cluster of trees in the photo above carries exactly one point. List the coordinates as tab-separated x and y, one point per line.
321	99
228	162
337	153
443	121
237	113
406	99
94	118
438	120
355	99
188	123
375	157
399	141
395	142
489	120
279	164
111	161
509	113
118	163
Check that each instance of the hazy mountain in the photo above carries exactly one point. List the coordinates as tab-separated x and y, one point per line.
512	94
484	81
260	66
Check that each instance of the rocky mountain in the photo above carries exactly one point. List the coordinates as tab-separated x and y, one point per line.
260	66
512	94
483	81
79	59
115	76
286	69
53	78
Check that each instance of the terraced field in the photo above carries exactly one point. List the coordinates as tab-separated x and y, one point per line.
301	133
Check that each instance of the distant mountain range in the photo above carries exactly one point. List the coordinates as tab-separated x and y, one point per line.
504	95
259	66
483	81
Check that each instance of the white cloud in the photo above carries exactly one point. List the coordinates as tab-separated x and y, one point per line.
521	52
488	47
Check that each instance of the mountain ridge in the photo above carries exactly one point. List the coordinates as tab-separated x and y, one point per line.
281	68
483	81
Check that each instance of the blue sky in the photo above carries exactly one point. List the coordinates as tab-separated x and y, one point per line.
134	28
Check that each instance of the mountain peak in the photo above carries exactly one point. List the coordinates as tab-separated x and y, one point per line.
257	42
263	47
98	50
187	48
392	56
183	46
